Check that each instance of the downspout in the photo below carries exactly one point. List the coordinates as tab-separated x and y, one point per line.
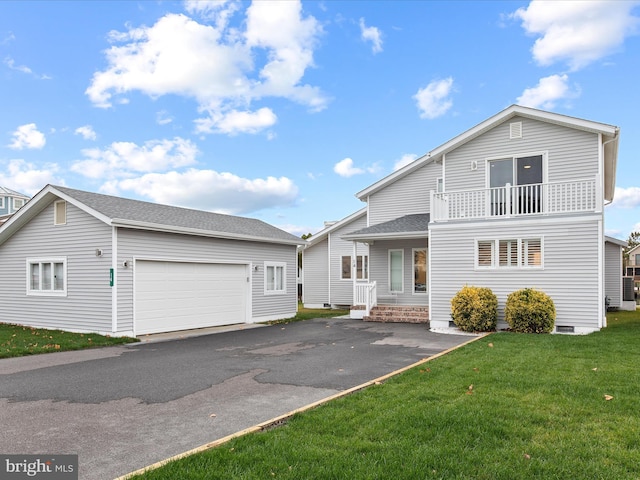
615	137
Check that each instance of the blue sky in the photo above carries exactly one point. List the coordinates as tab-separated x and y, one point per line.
283	111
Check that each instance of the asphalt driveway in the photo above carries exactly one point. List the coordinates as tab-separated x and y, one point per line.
122	408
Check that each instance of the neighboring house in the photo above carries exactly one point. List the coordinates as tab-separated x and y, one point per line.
632	268
87	262
516	201
330	264
613	282
10	202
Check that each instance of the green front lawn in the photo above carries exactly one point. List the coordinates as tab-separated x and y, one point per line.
508	406
17	341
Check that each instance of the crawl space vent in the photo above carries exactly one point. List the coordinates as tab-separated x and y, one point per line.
565	329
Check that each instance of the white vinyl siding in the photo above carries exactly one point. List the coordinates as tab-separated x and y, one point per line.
569	276
571	154
612	273
87	304
315	274
408	195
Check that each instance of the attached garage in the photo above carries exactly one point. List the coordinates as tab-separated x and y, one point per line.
173	296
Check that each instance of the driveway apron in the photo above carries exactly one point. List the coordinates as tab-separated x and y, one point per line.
122	408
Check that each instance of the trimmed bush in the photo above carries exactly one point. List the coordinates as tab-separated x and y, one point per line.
530	311
475	309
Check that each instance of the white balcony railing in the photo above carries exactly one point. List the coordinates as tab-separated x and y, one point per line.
518	200
365	294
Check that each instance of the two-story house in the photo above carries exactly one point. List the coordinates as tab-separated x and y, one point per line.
516	201
10	202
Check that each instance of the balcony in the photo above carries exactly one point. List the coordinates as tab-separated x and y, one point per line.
552	198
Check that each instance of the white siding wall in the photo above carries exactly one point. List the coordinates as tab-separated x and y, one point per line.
342	290
570	274
613	273
168	246
315	269
379	269
572	154
409	195
87	306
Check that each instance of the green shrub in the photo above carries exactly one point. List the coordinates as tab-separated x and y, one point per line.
530	311
475	309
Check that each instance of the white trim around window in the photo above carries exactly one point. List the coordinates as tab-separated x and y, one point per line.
18	203
509	253
1	202
396	271
60	212
362	267
47	276
420	271
275	278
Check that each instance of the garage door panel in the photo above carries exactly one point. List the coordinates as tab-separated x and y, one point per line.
177	295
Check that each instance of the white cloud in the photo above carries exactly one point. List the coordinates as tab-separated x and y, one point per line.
371	34
548	91
10	62
626	197
28	178
87	132
28	136
223	68
433	100
163	117
213	191
405	160
345	168
234	122
124	159
577	32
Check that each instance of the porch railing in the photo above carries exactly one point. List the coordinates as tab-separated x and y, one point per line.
365	294
518	200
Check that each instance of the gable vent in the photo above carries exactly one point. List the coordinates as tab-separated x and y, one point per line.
515	130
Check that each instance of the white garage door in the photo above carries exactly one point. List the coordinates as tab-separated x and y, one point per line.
178	296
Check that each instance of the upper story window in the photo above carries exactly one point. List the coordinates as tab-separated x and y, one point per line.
275	274
60	212
637	258
1	202
509	253
47	276
524	174
362	267
18	203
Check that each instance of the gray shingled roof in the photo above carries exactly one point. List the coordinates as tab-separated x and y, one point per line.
13	193
135	211
408	224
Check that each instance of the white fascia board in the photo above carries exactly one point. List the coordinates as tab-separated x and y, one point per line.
617	241
117	222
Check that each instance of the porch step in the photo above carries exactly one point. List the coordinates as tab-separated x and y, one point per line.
398	314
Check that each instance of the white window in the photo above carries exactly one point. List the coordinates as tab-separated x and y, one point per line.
275	275
60	212
509	253
18	203
419	270
440	185
1	202
47	276
362	267
396	271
